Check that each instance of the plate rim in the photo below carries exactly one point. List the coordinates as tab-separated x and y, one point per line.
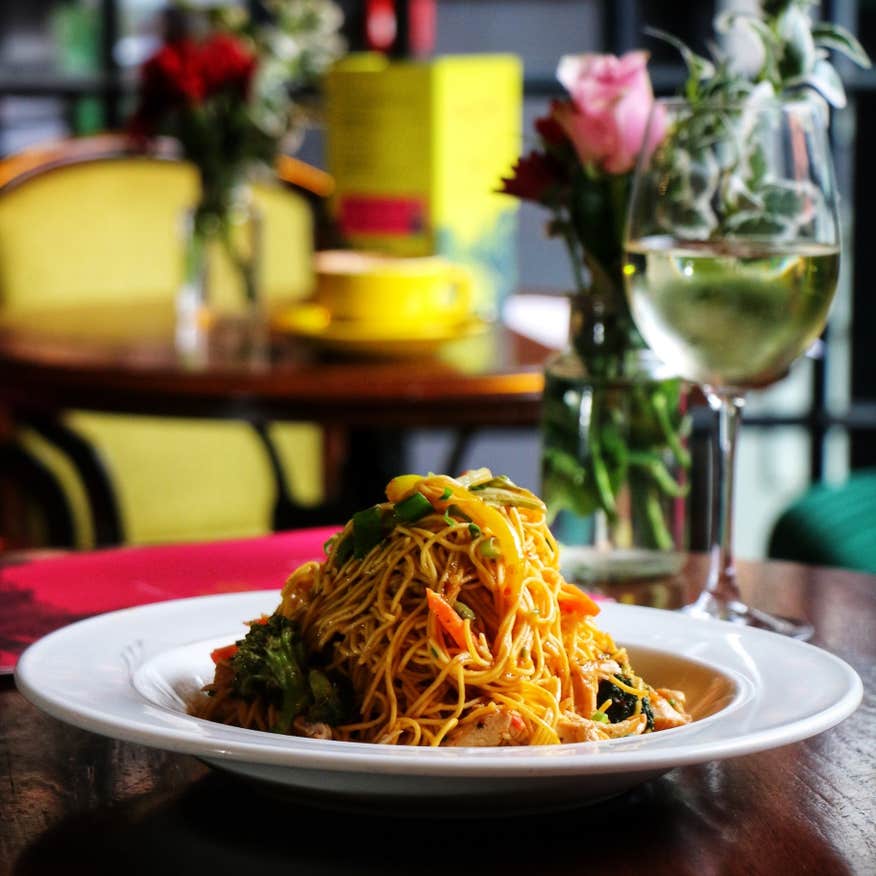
216	742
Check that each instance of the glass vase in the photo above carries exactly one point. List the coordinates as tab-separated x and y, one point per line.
220	304
615	466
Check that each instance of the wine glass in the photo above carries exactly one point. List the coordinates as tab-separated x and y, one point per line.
732	259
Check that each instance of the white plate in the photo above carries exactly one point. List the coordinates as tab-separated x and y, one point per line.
127	674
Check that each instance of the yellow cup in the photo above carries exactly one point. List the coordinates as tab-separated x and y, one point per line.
392	295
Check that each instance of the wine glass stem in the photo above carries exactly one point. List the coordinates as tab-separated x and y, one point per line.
721	583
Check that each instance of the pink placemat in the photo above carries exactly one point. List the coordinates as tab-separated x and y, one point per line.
44	595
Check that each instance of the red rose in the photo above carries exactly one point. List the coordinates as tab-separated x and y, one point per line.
184	74
532	178
173	74
171	78
550	130
226	66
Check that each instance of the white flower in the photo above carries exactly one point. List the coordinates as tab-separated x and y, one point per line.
284	46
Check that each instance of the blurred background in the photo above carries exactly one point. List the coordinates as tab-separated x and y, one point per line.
69	67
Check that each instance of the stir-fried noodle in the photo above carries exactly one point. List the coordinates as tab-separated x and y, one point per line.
439	617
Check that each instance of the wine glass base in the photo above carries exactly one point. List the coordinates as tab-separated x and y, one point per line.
737	612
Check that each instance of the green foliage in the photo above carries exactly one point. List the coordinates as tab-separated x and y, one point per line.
296	43
715	165
629	436
794	52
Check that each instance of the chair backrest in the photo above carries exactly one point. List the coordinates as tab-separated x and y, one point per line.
830	525
87	220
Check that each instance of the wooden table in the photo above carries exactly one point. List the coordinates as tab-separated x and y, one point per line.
121	357
73	802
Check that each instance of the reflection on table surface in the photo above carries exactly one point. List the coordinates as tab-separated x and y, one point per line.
782	586
219	825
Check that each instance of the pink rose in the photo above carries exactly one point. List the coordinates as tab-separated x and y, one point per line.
611	99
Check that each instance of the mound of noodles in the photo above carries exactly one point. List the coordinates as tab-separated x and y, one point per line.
442	612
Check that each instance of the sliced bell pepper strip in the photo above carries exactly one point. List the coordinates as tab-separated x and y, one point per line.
402	486
488	519
443	491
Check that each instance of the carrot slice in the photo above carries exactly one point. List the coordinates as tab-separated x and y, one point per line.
575	601
220	655
447	617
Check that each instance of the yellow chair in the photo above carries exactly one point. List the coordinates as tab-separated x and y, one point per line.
84	221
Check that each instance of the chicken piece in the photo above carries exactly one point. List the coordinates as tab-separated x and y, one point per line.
571	727
678	698
635	725
666	714
311	729
502	727
609	667
584	686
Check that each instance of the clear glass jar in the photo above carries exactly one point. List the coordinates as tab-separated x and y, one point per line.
614	464
221	298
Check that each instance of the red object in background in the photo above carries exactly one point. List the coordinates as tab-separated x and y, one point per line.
421	27
226	66
183	74
371	214
533	177
404	28
42	596
381	25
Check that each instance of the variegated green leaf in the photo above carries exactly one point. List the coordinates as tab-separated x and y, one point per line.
825	80
834	36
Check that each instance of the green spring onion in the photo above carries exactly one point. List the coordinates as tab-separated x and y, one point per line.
464	611
489	549
412	508
367	531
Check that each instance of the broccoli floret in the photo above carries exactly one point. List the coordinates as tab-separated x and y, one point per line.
271	662
331	700
623	704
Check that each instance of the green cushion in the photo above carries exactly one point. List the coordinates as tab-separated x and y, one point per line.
831	525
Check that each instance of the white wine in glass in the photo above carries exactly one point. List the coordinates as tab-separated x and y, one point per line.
731	314
732	261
